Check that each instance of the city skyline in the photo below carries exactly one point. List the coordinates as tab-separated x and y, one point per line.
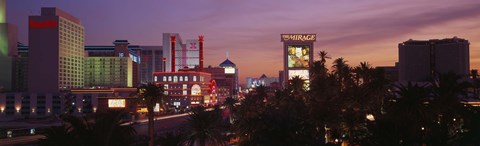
357	31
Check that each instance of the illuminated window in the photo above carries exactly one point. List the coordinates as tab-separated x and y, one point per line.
175	79
181	79
184	92
186	78
194	78
169	78
155	78
165	86
164	78
184	86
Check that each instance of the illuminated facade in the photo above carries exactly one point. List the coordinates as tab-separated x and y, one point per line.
261	81
298	55
8	51
112	66
107	72
56	53
78	101
185	87
178	55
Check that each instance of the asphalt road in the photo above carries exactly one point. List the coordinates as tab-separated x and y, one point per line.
162	125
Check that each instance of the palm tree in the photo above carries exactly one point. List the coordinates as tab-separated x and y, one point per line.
151	94
58	136
448	93
323	57
171	139
229	103
412	113
109	130
341	70
205	127
297	85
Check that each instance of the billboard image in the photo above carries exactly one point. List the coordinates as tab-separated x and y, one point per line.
298	56
196	90
116	103
301	73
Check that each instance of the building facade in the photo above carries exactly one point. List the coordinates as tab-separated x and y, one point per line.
420	60
152	61
8	51
178	55
185	88
112	66
105	72
56	52
78	101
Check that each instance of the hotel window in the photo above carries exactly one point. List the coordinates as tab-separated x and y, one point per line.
185	92
186	78
184	86
164	78
194	78
165	86
169	78
175	79
155	78
181	79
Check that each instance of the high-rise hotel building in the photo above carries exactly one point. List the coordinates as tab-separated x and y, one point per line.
8	51
56	51
421	60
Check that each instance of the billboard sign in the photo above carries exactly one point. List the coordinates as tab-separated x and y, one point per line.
304	74
298	56
229	70
116	103
298	37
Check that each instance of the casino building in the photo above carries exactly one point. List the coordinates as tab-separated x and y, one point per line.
186	87
298	55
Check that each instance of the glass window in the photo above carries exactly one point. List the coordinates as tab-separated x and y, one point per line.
175	79
169	78
186	78
155	78
184	86
165	86
164	78
184	92
181	79
194	78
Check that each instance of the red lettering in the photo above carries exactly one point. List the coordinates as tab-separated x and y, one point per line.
45	24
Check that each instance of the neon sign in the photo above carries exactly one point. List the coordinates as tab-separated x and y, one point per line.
299	37
45	24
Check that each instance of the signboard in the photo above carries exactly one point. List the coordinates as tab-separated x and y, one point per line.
116	103
196	90
229	70
301	73
156	108
298	56
298	37
44	24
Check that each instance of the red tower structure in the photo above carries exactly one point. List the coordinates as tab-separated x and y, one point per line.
173	40
200	45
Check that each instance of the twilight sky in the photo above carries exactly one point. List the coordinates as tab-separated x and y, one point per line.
358	30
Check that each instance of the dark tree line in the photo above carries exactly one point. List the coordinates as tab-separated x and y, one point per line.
358	106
